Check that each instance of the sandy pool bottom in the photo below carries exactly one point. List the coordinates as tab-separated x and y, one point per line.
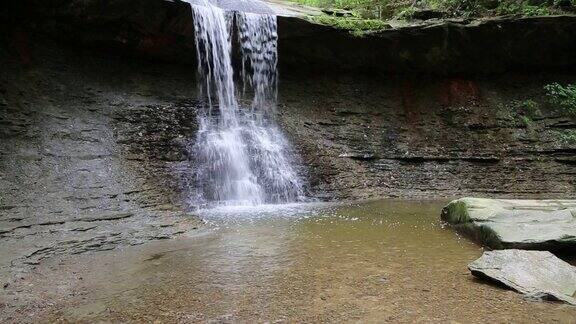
368	262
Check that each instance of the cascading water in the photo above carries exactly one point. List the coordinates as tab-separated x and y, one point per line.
241	156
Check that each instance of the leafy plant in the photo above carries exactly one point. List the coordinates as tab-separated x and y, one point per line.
568	136
563	97
522	8
462	8
404	9
527	121
406	14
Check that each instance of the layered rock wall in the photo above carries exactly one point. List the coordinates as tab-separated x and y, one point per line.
422	111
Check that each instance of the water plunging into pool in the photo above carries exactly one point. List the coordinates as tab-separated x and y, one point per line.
241	156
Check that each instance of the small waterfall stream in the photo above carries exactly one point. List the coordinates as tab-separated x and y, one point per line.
241	156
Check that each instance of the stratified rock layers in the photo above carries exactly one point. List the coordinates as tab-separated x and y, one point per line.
433	126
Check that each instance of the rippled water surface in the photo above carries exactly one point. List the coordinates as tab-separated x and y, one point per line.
373	261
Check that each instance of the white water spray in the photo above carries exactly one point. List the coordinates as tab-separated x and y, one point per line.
241	156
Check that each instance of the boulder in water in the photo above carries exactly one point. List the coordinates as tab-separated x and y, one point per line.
537	274
525	224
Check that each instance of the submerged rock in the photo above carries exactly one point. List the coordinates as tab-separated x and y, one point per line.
526	224
537	274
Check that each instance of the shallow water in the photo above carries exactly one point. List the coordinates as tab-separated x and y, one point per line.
373	261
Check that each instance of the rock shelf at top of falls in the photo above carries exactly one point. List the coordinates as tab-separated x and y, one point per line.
163	30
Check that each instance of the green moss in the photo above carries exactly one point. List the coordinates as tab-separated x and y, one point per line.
356	26
367	9
456	212
481	234
488	237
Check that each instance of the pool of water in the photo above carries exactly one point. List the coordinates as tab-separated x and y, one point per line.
370	262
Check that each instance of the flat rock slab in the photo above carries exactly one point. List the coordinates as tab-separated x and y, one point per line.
523	224
533	273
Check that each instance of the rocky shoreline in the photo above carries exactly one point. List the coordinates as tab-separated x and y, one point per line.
513	225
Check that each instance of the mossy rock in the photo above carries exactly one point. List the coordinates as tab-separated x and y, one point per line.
524	224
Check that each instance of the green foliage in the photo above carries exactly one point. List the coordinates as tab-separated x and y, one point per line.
528	108
380	9
563	97
522	7
567	136
460	8
356	26
527	121
519	111
526	111
340	4
403	9
406	14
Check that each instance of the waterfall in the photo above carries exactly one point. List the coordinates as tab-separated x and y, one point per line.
241	156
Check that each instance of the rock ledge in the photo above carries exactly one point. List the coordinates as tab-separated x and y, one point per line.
524	224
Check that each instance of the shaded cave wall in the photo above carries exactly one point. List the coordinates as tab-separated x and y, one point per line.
422	112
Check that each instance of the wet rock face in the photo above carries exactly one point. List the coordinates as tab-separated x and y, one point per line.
400	136
92	153
536	274
385	136
524	224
